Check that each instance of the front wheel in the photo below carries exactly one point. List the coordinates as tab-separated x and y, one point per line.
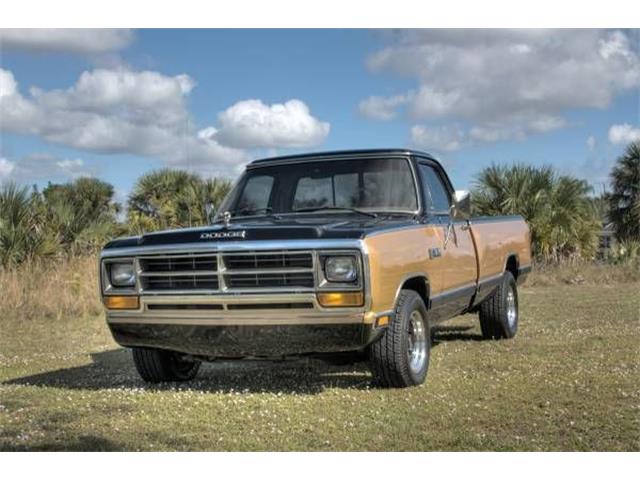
155	365
400	358
499	313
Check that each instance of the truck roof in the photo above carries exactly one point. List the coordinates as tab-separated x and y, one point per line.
338	154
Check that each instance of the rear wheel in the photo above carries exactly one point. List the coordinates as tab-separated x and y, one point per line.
400	358
499	313
155	365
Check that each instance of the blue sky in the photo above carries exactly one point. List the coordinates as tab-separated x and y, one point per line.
116	104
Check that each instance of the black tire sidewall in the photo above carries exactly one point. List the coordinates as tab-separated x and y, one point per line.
509	283
414	302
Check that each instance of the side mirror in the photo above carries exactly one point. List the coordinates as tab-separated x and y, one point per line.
210	212
461	205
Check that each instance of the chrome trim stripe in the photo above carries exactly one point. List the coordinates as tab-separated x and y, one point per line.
489	279
401	228
225	316
231	246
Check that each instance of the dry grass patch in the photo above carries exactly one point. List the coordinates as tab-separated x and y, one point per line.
583	273
51	289
568	381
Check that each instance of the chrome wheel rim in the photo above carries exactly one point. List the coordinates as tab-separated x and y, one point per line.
417	342
512	309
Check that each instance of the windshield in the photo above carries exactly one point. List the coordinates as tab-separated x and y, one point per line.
370	185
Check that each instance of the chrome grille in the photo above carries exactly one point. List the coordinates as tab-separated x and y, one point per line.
179	263
258	270
267	280
268	261
227	272
188	272
181	282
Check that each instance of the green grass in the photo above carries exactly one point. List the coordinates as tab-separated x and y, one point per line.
570	380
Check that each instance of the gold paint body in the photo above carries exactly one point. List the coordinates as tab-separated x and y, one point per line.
398	255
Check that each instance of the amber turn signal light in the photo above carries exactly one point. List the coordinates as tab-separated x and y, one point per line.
128	302
341	299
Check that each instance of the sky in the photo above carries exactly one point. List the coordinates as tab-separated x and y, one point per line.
118	103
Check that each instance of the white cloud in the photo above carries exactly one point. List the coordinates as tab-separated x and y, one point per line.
253	124
73	168
8	84
6	167
444	138
72	40
43	166
116	111
591	143
624	134
507	83
145	113
381	108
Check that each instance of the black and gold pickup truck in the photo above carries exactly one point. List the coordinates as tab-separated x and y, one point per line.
353	251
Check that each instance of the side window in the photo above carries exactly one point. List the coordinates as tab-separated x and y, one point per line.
436	195
256	194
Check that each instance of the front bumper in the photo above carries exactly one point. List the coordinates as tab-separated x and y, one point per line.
242	325
231	341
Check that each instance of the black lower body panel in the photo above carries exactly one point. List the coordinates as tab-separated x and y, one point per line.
243	340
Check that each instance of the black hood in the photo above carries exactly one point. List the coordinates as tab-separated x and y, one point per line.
302	228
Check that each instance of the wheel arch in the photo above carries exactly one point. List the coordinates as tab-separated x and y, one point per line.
512	264
419	283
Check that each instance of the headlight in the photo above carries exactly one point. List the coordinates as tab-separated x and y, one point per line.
122	275
341	269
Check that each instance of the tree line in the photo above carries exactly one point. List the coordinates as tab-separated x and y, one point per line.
79	217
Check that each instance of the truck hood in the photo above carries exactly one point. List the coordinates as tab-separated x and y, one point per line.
270	229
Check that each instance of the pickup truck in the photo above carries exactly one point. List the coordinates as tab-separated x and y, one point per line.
353	251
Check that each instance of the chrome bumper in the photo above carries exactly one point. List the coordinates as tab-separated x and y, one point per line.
225	332
214	310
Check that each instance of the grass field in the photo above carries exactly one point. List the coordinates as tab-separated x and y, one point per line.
570	380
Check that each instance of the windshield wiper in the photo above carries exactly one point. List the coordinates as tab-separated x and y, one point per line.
349	209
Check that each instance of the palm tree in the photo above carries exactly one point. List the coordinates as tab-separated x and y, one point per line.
23	235
172	198
193	200
81	212
561	216
624	201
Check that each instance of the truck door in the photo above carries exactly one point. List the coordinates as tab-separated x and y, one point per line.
456	258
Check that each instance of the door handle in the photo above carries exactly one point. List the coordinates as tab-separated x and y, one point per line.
465	226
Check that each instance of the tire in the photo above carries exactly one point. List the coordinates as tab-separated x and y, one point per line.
391	362
155	365
499	313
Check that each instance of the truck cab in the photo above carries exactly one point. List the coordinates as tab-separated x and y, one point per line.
353	251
